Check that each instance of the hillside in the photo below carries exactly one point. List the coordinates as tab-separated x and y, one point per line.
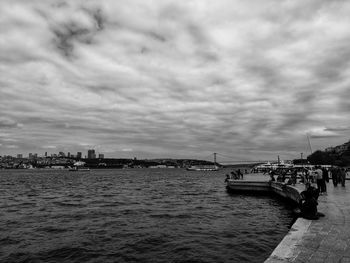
338	155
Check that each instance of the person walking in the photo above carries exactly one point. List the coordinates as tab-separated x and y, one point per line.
335	172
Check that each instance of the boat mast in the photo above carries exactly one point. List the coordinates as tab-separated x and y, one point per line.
214	158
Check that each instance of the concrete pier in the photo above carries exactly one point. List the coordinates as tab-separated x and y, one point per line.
325	240
250	186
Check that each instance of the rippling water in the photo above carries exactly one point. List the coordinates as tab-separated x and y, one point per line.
136	215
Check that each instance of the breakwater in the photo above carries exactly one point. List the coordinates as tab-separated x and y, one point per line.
286	191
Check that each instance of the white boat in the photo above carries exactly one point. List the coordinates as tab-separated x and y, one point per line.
79	166
202	168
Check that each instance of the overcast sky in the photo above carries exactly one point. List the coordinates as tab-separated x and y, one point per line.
181	79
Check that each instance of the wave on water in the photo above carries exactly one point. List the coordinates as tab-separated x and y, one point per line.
140	215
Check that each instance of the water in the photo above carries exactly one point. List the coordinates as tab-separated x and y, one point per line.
137	215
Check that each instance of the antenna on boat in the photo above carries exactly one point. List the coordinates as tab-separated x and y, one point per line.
308	139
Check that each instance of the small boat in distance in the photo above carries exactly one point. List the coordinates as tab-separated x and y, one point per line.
79	166
74	169
202	168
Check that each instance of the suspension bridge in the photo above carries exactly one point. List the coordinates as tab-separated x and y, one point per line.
224	159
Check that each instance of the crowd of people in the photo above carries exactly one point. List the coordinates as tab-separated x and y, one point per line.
315	181
236	175
318	176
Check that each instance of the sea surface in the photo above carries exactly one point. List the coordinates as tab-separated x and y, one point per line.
134	215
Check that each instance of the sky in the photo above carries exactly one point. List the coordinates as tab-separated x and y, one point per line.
249	80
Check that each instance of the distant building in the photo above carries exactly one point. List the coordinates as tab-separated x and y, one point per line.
61	154
68	154
35	155
30	155
91	154
19	156
45	154
101	156
78	155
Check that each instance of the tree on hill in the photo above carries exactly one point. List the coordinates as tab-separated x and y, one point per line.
320	157
300	162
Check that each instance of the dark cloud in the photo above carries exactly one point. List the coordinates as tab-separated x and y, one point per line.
337	129
69	32
325	136
157	36
8	123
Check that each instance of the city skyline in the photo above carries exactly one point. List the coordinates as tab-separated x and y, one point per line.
90	154
174	79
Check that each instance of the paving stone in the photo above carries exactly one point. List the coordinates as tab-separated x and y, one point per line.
304	256
333	258
318	256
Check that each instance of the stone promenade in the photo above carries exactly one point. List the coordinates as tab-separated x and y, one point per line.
323	240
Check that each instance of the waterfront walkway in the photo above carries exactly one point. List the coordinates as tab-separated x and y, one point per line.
320	241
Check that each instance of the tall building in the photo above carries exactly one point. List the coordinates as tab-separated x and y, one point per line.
45	154
101	156
91	154
78	155
30	155
68	154
20	156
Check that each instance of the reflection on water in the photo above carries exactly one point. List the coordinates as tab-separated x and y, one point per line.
137	215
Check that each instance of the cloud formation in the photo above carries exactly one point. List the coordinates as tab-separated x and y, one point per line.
174	79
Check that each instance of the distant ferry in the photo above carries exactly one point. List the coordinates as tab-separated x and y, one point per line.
79	166
202	168
75	169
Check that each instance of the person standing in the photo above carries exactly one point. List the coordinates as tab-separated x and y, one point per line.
325	180
342	176
319	179
272	176
294	176
240	173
